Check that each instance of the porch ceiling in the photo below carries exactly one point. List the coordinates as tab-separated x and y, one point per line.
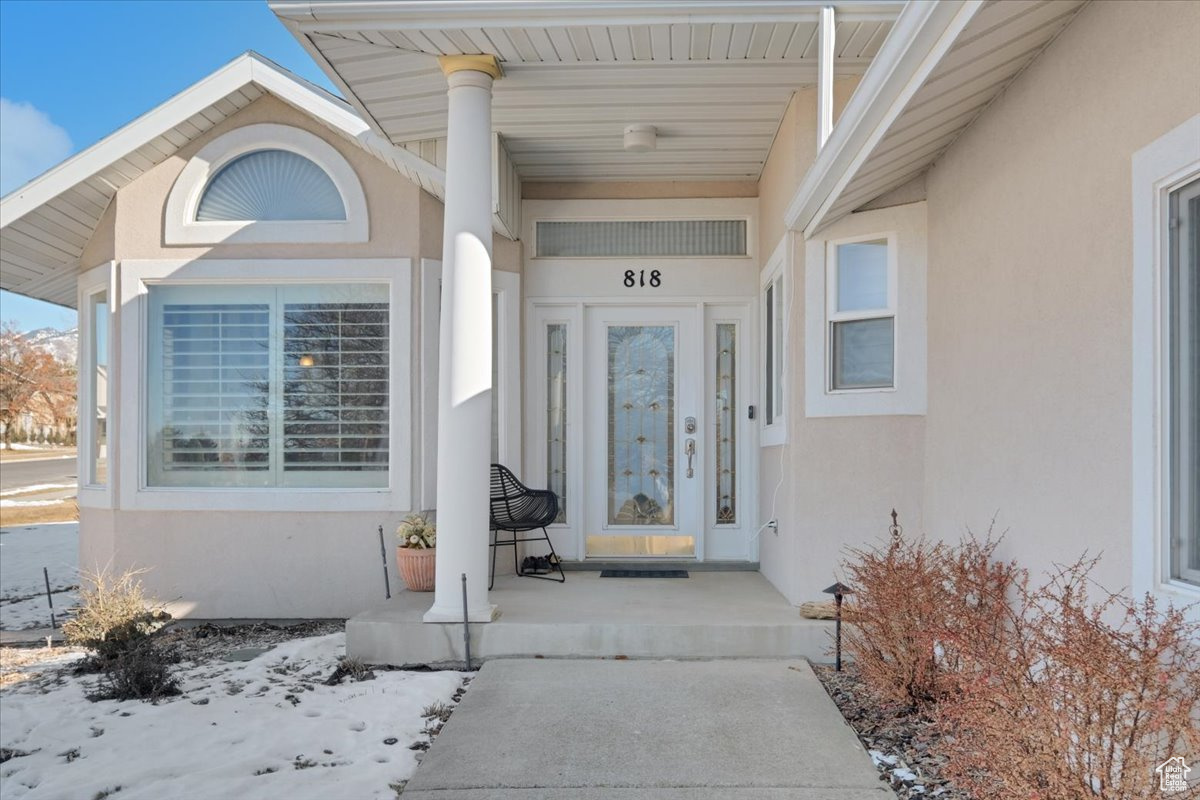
714	78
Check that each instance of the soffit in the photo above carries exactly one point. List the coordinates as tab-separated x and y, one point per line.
715	80
1000	41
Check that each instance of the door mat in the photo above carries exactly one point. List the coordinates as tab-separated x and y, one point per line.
644	573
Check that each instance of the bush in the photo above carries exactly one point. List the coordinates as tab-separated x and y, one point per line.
1087	699
141	673
916	607
114	615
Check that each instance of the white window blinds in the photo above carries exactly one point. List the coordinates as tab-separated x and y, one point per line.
268	386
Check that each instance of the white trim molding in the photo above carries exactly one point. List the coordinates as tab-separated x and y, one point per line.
1158	169
904	228
132	403
181	226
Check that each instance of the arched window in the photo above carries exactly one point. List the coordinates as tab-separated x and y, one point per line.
266	183
270	185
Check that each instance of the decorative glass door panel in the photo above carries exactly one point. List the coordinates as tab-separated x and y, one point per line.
642	403
641	425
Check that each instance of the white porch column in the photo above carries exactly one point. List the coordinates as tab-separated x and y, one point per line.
465	356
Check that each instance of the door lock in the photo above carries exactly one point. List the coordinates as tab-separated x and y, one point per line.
689	449
689	425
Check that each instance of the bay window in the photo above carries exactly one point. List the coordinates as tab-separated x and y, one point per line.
259	386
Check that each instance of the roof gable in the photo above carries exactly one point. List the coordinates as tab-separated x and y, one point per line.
46	224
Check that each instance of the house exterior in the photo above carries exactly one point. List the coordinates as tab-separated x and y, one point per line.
734	280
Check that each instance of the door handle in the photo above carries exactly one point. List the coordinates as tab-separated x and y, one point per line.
689	449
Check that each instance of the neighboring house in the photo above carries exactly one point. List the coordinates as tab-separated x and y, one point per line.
734	280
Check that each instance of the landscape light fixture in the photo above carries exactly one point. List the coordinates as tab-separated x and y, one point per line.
838	590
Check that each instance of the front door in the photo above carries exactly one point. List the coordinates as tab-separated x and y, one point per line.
644	416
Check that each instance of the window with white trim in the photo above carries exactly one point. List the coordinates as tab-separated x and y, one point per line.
268	386
95	387
774	315
861	315
1182	362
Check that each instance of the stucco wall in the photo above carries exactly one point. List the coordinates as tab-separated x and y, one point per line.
102	246
222	564
1030	288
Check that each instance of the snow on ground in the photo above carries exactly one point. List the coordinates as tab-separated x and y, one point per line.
23	553
266	728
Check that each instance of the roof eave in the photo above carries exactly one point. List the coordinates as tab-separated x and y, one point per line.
923	34
336	14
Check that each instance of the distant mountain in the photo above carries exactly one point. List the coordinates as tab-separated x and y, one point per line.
63	345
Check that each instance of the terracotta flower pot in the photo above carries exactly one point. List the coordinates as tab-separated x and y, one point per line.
416	567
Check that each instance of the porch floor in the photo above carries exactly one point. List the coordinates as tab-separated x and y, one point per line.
709	615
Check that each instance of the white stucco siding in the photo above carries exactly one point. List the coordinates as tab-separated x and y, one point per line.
231	564
1030	289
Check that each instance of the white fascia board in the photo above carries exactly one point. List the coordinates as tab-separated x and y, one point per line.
327	15
923	34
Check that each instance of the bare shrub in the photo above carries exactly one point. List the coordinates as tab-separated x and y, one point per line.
916	606
114	615
141	673
1088	697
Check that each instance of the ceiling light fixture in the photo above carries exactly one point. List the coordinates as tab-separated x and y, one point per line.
640	138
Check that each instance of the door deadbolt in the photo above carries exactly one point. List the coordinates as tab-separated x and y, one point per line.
689	425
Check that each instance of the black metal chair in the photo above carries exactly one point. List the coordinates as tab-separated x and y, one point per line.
517	509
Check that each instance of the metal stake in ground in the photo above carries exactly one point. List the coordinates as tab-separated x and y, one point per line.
466	625
387	583
838	590
49	598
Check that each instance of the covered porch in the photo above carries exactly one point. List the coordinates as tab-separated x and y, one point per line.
710	614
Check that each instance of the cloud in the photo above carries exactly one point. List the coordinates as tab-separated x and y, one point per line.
30	143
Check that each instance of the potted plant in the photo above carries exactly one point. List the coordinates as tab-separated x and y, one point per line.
416	552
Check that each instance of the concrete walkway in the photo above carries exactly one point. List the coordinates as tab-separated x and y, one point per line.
581	729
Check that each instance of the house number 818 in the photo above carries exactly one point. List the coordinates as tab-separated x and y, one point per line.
638	278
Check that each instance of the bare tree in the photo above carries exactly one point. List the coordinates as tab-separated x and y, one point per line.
31	376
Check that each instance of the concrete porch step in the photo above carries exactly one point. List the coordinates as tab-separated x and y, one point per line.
709	615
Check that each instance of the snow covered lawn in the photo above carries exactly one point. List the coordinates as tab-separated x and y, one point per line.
264	728
23	553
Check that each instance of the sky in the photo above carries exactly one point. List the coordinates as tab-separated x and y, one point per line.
73	72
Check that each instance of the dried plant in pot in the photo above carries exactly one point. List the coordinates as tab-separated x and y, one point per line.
416	552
